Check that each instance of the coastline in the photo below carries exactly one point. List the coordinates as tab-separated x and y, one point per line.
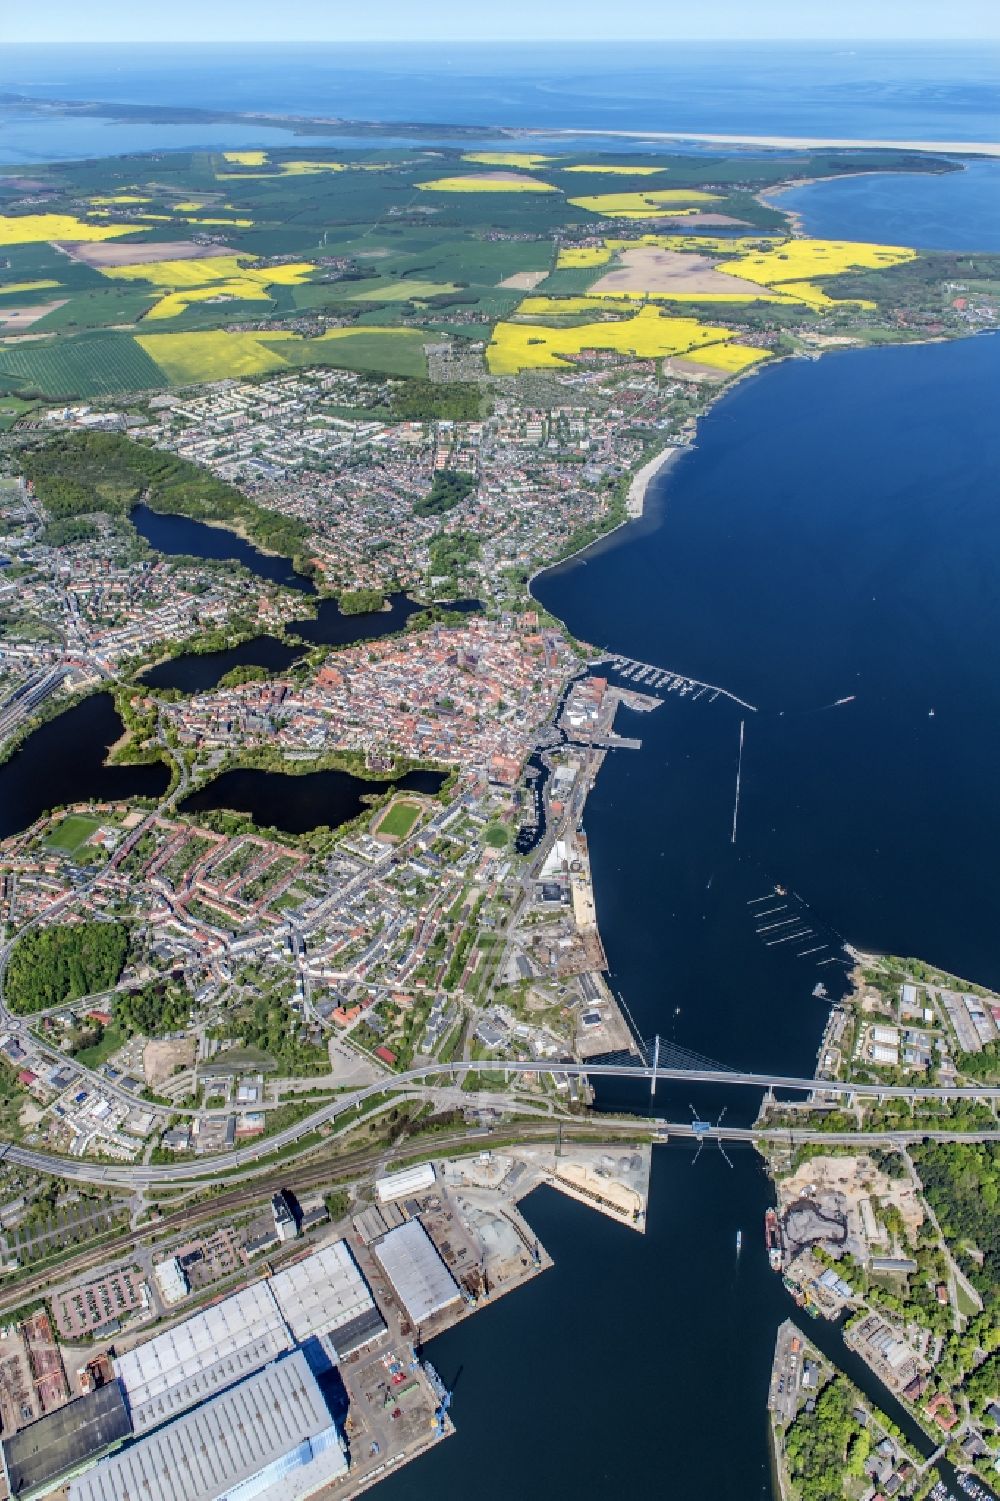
795	218
781	143
642	478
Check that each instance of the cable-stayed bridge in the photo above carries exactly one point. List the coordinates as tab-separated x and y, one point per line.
661	1061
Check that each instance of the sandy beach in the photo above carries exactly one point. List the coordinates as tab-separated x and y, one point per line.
788	143
636	498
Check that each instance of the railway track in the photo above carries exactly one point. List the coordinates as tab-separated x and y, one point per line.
330	1173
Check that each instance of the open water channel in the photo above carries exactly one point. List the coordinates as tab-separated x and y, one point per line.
835	534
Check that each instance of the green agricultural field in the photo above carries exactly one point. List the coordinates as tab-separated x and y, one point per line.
73	833
402	353
12	408
97	307
569	280
391	264
96	364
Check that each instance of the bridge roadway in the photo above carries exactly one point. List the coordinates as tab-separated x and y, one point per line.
149	1175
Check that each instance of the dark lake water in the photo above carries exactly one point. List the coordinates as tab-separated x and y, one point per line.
62	763
193	672
332	628
296	804
196	672
180	536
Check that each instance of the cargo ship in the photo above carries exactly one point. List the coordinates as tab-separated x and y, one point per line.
772	1237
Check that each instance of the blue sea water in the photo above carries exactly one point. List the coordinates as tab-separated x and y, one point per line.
959	211
835	533
27	138
872	91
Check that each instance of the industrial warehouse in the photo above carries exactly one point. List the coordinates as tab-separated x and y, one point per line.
65	1441
309	1380
271	1435
208	1352
326	1295
226	1400
420	1279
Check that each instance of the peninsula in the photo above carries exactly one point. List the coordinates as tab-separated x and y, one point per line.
302	987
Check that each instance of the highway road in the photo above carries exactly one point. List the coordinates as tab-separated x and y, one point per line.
354	1167
368	1162
150	1175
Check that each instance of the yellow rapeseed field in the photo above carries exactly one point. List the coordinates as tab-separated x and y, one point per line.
119	198
778	269
189	358
651	334
618	171
246	158
33	229
213	355
528	159
815	297
580	256
764	295
306	169
643	205
190	219
615	301
26	286
555	307
705	244
799	260
232	223
476	183
300	169
175	303
730	357
184	282
172	276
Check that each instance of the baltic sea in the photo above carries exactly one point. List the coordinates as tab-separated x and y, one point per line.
835	534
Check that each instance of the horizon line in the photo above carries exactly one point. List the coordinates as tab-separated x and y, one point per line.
435	41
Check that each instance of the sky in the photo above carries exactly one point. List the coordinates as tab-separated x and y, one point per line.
243	21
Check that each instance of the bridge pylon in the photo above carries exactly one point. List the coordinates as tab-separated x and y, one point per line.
656	1064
